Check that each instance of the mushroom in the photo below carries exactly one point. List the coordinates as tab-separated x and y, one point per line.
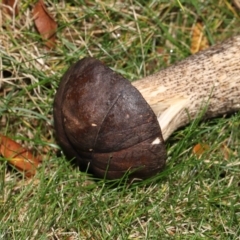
112	127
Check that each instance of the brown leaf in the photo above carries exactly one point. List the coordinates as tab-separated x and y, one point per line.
19	157
199	41
225	151
45	24
12	7
200	148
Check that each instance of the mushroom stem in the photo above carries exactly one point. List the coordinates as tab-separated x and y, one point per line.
208	79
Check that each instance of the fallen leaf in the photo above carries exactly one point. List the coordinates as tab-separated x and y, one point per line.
11	7
225	151
198	41
200	148
45	24
19	157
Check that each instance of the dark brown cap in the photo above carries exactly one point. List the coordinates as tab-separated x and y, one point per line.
106	124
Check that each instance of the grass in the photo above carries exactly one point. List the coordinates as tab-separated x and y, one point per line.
193	198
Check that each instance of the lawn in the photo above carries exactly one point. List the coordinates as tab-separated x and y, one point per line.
195	197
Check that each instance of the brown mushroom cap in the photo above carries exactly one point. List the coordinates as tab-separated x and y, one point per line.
106	124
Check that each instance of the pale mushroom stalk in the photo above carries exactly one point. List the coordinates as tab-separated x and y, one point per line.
210	79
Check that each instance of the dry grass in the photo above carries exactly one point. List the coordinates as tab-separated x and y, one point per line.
194	198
